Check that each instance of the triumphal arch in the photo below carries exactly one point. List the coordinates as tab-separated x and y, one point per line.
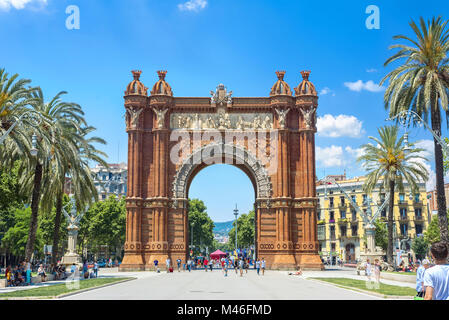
272	139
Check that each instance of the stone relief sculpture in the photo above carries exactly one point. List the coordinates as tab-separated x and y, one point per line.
222	121
282	114
132	115
309	117
160	117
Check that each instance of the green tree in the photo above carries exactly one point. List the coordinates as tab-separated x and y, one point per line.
433	233
202	225
104	224
421	84
381	236
391	162
245	231
15	238
420	247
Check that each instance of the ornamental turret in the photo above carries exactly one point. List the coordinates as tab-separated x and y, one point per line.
161	88
136	87
280	87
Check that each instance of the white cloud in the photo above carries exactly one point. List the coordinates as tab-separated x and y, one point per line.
360	85
193	5
327	90
339	126
19	4
336	156
371	70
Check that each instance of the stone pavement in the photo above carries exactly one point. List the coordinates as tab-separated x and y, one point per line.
201	285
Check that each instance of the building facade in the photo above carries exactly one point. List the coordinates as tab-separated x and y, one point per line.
432	198
341	229
110	181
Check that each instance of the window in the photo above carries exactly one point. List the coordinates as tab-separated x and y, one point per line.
353	198
332	232
343	231
103	196
354	230
104	177
418	228
404	229
401	197
331	217
382	197
332	246
364	198
416	197
342	200
343	214
403	213
384	213
418	212
354	215
331	202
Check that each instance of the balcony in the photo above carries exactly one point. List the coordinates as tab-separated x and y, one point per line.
321	222
403	218
331	220
343	221
417	202
342	206
419	218
332	237
402	202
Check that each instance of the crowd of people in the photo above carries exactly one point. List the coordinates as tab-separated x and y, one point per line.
239	264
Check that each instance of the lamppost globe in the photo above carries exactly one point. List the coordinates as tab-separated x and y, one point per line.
34	150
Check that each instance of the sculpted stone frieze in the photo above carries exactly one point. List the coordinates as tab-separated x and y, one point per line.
221	120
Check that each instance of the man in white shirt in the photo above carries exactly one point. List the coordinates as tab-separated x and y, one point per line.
420	277
436	278
167	262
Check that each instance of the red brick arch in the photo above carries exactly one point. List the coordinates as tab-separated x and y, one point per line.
171	139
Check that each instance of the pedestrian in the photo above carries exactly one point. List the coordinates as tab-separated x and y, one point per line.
241	263
85	270
377	270
178	261
205	264
368	269
28	271
225	269
236	264
156	262
258	266
189	264
211	264
262	265
420	272
96	268
436	278
41	272
167	263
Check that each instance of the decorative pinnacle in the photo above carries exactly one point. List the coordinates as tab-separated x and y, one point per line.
136	74
161	74
305	75
280	75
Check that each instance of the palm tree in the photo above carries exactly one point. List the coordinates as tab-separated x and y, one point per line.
421	84
14	99
392	162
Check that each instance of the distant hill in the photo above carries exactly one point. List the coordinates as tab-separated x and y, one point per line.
223	228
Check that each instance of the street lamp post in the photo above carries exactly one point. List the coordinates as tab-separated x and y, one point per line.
191	237
236	213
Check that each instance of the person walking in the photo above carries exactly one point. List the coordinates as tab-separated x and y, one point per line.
436	278
189	264
236	264
156	262
262	265
258	266
211	264
368	269
178	261
205	264
420	277
241	263
167	263
96	268
377	270
225	269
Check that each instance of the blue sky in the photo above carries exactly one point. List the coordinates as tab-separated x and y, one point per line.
205	42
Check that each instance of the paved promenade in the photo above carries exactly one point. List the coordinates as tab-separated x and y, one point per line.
201	285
